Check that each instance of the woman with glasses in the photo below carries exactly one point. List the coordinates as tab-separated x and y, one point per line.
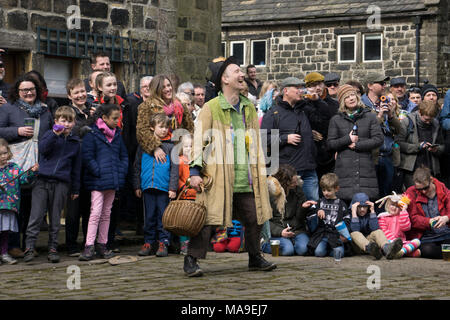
24	105
429	212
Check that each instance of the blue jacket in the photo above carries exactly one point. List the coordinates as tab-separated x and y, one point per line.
106	164
445	113
367	223
148	173
60	158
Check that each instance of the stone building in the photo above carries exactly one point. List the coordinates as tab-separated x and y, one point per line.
409	38
142	37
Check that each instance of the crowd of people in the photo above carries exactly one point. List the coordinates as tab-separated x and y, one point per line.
340	148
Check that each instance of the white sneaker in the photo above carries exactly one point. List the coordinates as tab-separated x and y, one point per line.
6	258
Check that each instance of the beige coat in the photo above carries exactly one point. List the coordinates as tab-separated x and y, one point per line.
213	151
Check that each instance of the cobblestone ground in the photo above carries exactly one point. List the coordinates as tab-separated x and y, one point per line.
226	277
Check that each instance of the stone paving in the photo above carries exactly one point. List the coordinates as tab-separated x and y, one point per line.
226	277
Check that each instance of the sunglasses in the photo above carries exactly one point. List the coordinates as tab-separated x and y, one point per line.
334	84
424	188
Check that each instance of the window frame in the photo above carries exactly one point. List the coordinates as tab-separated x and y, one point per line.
265	53
339	48
364	46
243	53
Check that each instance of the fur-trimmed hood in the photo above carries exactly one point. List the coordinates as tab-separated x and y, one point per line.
277	193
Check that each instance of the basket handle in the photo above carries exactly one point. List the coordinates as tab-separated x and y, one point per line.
187	185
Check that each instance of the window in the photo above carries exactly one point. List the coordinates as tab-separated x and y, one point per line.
238	51
56	73
347	48
224	53
372	47
259	52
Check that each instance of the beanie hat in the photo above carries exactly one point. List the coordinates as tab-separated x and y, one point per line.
427	88
344	91
314	77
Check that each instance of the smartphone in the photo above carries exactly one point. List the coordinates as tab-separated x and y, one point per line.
29	122
433	145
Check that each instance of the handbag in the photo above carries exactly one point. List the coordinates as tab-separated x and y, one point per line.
25	154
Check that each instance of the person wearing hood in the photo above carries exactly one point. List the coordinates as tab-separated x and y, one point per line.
366	233
353	133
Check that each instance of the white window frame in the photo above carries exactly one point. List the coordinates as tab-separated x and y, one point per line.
339	48
265	53
224	43
364	47
244	62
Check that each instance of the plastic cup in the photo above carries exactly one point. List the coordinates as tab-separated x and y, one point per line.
445	252
275	247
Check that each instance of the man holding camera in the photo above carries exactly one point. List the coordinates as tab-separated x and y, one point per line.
390	125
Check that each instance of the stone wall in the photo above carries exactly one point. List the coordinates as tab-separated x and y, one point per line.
164	21
297	50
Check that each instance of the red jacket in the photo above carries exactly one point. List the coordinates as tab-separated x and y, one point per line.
183	176
419	222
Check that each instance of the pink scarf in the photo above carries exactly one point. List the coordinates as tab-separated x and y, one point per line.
107	131
177	108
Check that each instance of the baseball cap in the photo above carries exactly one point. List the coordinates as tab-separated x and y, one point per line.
376	77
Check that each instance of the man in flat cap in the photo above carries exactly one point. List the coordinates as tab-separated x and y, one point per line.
331	81
398	88
227	149
296	144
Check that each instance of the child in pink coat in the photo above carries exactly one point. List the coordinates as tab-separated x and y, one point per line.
394	222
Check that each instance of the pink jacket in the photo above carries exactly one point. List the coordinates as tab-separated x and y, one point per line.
394	226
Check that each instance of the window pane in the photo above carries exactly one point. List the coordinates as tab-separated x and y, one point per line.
223	49
259	53
56	74
372	47
238	52
347	49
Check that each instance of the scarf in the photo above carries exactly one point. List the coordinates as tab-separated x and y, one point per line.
107	131
175	108
34	110
266	101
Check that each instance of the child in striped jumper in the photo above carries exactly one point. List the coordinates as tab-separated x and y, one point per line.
394	223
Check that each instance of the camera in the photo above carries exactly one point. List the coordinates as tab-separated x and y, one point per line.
385	99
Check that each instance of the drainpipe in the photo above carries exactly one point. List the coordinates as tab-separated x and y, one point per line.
417	21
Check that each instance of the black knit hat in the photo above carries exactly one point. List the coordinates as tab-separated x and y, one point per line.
427	88
223	66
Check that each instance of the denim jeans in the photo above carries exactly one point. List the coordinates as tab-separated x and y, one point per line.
290	246
322	249
155	202
385	175
310	184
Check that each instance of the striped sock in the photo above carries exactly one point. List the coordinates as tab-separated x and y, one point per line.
411	246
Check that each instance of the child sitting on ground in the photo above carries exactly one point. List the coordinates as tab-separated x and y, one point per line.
366	233
394	223
331	211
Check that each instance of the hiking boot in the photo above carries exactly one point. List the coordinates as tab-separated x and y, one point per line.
184	247
103	252
374	250
391	249
191	268
87	254
53	256
258	263
162	250
6	258
145	250
16	253
28	255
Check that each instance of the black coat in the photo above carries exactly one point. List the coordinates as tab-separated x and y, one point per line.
133	101
290	120
355	168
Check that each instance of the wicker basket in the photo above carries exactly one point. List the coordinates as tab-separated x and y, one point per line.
184	217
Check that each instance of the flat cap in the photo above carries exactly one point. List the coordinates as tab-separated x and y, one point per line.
332	77
395	81
291	82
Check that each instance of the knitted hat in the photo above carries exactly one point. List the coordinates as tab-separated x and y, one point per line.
314	77
344	91
427	88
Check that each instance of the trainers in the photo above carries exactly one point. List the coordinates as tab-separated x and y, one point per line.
145	250
103	252
374	250
392	248
162	250
28	255
87	254
16	253
191	268
184	247
6	258
258	263
53	256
